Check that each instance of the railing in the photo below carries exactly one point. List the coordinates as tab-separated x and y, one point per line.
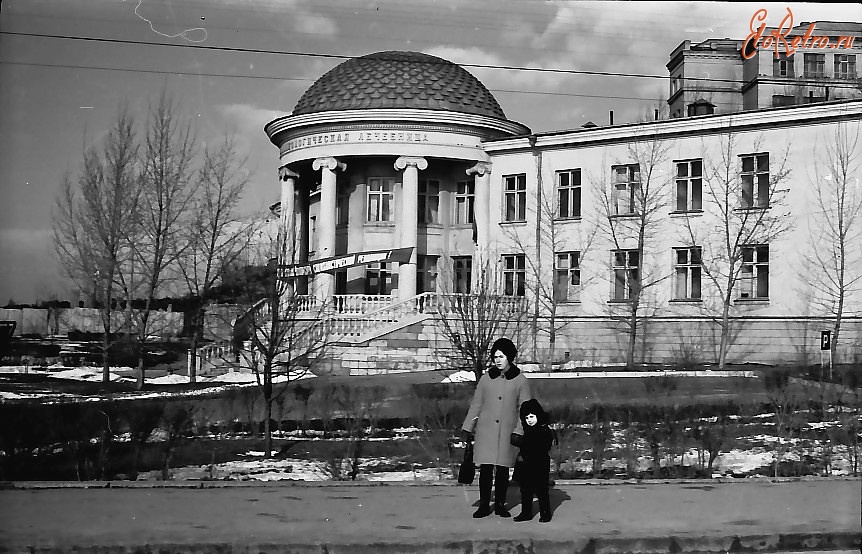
359	303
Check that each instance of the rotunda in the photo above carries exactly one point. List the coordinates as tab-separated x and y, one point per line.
385	151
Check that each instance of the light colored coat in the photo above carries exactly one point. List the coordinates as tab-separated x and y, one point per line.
493	417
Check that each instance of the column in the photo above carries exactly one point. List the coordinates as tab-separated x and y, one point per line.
409	224
482	217
287	225
324	283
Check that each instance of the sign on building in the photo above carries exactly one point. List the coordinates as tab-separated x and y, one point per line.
329	265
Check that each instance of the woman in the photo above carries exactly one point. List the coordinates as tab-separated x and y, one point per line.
493	417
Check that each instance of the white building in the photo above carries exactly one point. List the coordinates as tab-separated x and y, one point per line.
400	149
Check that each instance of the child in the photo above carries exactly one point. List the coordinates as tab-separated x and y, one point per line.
535	450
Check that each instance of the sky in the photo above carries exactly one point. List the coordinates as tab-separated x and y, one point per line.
66	66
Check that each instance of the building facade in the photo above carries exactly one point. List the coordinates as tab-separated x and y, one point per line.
605	232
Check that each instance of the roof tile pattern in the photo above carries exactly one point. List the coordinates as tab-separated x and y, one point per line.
399	80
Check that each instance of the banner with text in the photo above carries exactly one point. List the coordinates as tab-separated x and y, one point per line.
329	265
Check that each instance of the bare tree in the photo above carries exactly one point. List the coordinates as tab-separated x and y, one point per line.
216	234
744	203
92	224
472	319
632	213
833	266
167	189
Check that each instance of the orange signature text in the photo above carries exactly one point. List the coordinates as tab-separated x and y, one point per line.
778	39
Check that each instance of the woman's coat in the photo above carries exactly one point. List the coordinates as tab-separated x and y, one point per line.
493	417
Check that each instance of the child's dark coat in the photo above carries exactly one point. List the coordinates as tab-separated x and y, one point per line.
535	447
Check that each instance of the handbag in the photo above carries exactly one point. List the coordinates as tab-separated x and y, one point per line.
467	471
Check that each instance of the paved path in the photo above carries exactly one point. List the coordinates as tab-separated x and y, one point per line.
707	516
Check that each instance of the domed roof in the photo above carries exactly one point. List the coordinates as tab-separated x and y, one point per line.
399	80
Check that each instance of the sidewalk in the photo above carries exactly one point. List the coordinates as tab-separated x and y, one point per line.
694	516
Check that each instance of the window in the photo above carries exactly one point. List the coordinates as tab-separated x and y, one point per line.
312	234
514	274
626	181
378	279
701	107
783	100
755	180
815	66
426	274
754	277
465	197
379	200
569	193
429	201
342	209
462	270
341	281
515	197
845	66
567	279
674	85
782	66
626	265
687	273
689	181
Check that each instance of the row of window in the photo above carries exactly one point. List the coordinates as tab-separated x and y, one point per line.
753	281
754	192
814	66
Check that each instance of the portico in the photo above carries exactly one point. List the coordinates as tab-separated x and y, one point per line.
384	151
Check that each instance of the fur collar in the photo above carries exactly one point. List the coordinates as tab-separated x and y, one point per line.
510	373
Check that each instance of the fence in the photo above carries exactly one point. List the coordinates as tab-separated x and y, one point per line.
60	321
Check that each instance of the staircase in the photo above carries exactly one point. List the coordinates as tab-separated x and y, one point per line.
344	339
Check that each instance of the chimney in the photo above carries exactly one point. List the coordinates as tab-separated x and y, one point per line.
612	117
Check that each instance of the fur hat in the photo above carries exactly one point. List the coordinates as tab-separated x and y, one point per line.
532	406
505	346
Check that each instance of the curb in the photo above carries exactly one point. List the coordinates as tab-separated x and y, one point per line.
841	541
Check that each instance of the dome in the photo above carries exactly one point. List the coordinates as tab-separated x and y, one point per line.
399	80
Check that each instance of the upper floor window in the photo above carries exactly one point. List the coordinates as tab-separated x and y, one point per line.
465	197
428	201
515	197
626	183
569	193
845	66
567	281
674	85
754	276
514	274
689	185
755	180
379	199
687	270
814	66
782	66
462	273
701	107
626	272
342	209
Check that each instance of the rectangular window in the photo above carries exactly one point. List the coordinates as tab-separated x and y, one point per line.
782	66
567	278
341	281
814	66
462	269
754	277
689	184
626	182
426	273
378	279
845	66
342	209
465	197
312	235
428	201
379	199
626	269
514	274
569	193
755	180
515	197
687	268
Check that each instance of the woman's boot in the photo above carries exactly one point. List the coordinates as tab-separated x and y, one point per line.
486	477
501	488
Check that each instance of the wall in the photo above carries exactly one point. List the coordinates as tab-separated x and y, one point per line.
37	321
